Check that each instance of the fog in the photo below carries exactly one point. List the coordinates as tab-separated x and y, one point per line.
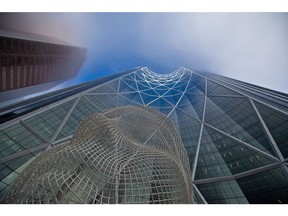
251	47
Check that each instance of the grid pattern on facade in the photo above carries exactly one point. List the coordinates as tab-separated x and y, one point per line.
233	135
124	155
28	60
22	67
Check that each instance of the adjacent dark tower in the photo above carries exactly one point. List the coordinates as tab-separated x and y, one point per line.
235	133
31	63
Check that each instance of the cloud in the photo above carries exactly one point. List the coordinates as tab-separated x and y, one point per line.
251	47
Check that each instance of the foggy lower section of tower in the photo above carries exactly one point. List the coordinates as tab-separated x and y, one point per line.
123	155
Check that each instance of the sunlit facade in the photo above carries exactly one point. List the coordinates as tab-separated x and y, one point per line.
235	133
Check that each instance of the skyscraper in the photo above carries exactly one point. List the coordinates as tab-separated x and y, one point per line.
235	133
30	63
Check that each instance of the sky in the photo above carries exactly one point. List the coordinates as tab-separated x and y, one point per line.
251	47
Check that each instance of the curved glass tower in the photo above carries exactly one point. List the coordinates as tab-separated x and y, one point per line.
235	133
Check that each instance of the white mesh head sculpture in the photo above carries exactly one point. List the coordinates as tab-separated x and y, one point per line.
123	155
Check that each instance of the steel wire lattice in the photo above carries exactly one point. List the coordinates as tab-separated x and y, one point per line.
123	155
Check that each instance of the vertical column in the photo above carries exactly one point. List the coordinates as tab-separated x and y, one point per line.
200	134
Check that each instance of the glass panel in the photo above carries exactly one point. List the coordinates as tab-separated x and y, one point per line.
3	193
143	86
161	91
236	117
173	92
221	156
215	89
125	87
160	103
15	139
123	101
2	185
131	84
148	98
10	178
16	163
188	106
4	171
103	101
268	187
197	101
111	87
165	110
83	108
134	98
196	85
173	99
198	198
222	192
189	130
150	92
46	123
277	124
268	96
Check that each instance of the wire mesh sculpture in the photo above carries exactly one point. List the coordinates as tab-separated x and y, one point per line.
123	155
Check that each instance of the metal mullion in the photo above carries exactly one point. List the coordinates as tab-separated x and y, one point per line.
175	83
91	102
29	128
60	141
200	134
127	85
221	84
9	123
200	194
285	170
24	152
153	100
167	102
136	83
181	96
117	98
101	93
243	143
267	132
65	119
123	93
40	110
238	175
177	108
45	108
260	90
197	153
230	96
263	96
252	97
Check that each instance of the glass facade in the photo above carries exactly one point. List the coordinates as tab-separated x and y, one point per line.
122	155
235	133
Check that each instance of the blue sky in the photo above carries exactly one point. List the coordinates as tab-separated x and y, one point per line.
252	47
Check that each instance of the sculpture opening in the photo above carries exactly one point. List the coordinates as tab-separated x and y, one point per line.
123	155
